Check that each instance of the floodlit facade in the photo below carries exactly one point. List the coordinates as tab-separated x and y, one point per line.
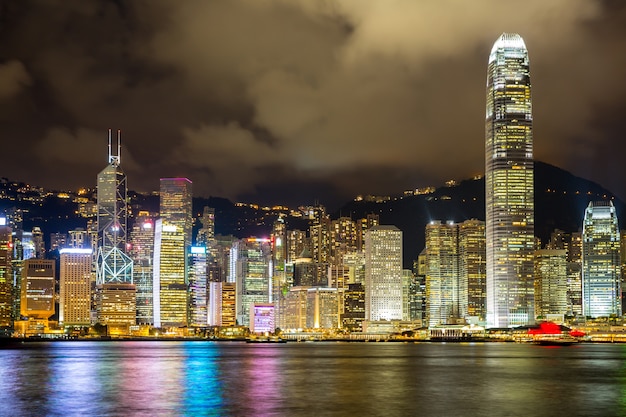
6	299
250	270
37	290
442	272
169	283
198	290
75	286
472	266
142	253
172	238
262	318
509	185
601	261
383	273
551	282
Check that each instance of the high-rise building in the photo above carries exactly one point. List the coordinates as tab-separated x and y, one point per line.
142	253
250	270
353	308
206	234
175	206
172	240
383	273
114	268
6	287
472	266
602	291
442	273
198	289
113	264
551	282
75	286
37	289
509	185
323	308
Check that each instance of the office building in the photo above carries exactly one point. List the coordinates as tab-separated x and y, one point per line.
551	283
142	253
75	286
509	185
6	287
602	291
172	239
472	268
114	268
37	289
250	270
383	273
198	289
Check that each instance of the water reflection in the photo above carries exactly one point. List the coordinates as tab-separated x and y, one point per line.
295	379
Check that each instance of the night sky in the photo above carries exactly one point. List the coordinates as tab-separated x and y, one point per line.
292	101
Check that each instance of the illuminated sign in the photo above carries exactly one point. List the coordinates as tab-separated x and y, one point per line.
75	250
198	250
3	221
169	228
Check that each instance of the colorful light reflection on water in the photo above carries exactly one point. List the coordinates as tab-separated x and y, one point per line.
303	379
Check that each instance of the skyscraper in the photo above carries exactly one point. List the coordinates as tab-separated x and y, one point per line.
6	290
509	185
198	288
442	272
75	286
172	238
250	269
114	268
113	265
142	253
37	289
383	273
601	261
551	282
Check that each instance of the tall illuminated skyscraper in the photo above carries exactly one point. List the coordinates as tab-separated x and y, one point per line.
142	253
172	240
602	291
114	268
75	286
250	269
383	273
509	185
6	294
113	265
442	272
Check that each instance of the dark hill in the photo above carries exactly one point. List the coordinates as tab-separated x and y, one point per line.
560	201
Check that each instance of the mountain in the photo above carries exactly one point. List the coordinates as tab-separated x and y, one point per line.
560	201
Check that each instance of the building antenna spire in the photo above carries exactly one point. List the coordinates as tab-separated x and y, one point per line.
115	159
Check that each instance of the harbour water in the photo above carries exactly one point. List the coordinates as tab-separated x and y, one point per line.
311	379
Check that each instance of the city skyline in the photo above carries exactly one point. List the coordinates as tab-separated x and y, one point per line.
292	102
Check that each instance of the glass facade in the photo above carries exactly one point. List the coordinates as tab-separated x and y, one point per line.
601	261
509	185
383	273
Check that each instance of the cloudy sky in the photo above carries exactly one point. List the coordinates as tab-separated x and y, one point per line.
291	101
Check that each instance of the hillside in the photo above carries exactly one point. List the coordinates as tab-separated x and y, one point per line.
560	201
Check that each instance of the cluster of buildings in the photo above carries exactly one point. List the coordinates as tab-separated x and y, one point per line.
339	276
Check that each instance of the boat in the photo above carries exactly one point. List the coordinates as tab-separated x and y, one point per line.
555	340
266	339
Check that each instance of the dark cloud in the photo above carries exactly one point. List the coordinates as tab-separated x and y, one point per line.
276	99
